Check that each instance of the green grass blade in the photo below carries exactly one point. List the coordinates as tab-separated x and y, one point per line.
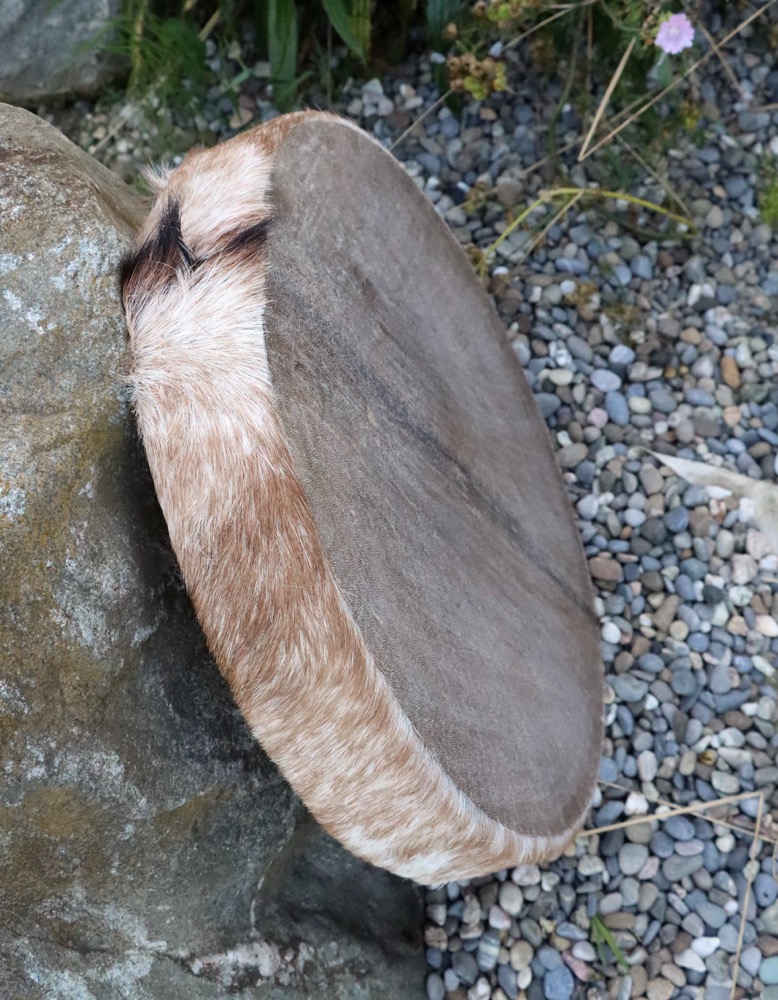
603	937
361	23
439	13
340	19
282	49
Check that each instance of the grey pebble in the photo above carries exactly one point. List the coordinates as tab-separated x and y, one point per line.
662	400
714	916
558	984
676	867
617	408
549	957
629	688
679	828
450	980
435	988
621	355
750	960
641	267
632	857
531	932
651	662
683	682
677	519
488	950
622	274
662	845
580	349
765	889
654	531
571	265
605	380
580	235
506	980
548	404
719	680
465	966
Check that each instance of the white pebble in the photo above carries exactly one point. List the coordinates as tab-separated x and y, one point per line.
740	596
763	665
611	633
727	784
480	991
526	875
587	507
511	898
647	765
731	737
639	404
758	545
499	919
720	615
743	569
705	946
636	804
598	417
766	625
590	865
689	959
559	376
584	951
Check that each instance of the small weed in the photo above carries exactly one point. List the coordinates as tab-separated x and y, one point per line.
166	54
602	939
768	196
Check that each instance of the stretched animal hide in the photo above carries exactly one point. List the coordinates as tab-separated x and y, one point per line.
241	527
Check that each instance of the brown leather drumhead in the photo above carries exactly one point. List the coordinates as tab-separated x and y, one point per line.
432	480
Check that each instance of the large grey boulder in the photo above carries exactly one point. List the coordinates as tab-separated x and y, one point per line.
54	48
137	816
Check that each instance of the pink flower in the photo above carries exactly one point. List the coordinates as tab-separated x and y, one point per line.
675	34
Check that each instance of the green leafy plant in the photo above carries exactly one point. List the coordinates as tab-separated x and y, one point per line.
165	53
290	20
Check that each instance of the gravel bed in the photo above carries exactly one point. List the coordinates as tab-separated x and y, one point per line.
634	342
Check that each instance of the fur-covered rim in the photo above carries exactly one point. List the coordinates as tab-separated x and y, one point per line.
269	604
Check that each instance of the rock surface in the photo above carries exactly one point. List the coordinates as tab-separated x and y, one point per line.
51	49
137	815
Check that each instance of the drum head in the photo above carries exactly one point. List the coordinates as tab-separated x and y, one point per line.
432	480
